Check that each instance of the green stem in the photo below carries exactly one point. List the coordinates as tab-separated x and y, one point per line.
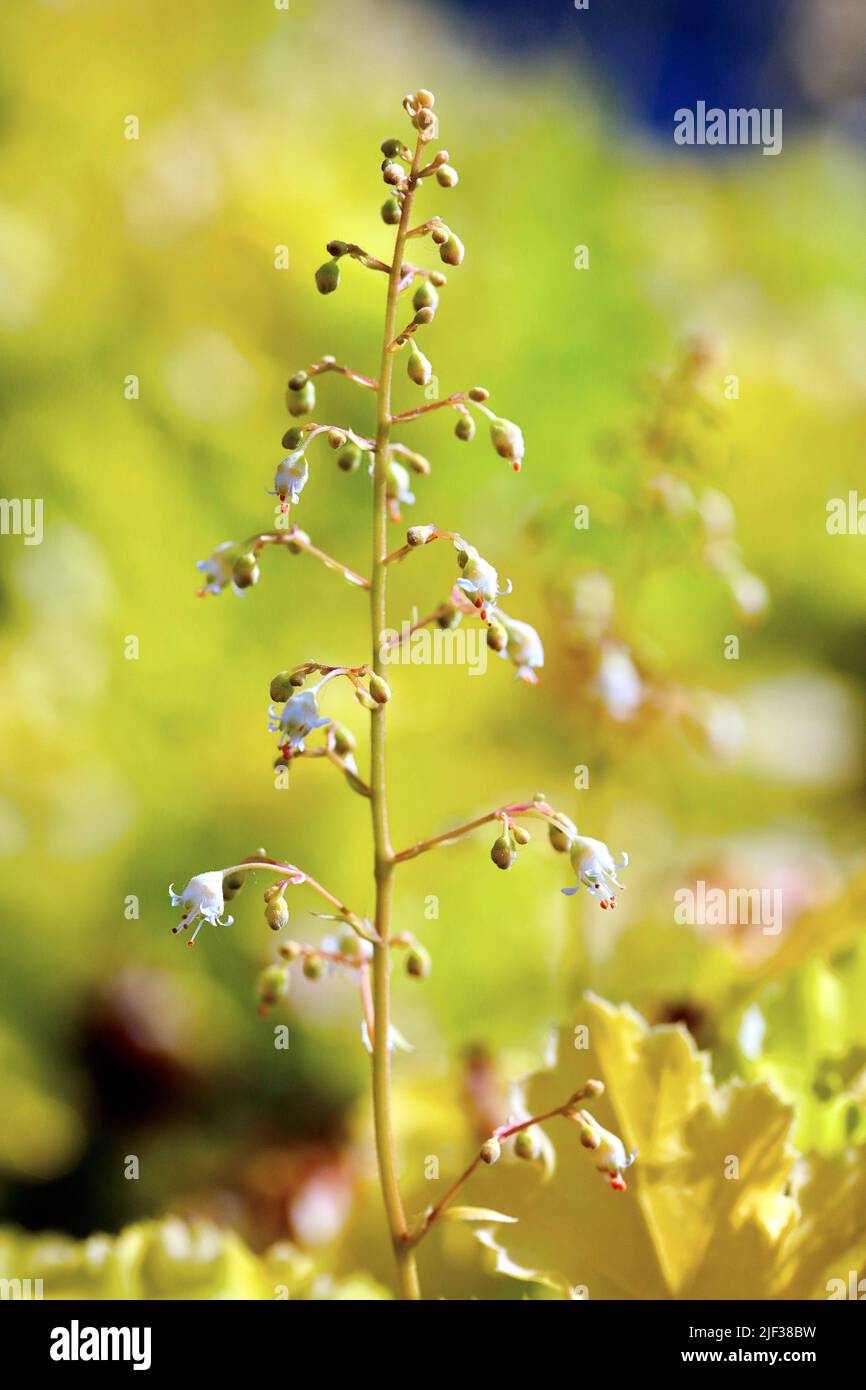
407	1274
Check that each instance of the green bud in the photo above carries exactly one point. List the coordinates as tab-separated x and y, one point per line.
418	963
349	458
273	985
298	380
497	637
592	1089
449	617
365	699
292	438
425	296
246	572
425	315
302	401
349	943
296	545
451	251
232	885
438	278
282	686
490	1151
465	427
344	739
420	535
336	439
507	440
337	248
520	834
380	690
289	950
417	463
526	1145
589	1135
390	212
558	839
393	148
503	852
392	173
328	277
479	394
418	367
446	176
277	914
314	966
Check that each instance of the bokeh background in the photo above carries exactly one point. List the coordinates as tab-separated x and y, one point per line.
155	258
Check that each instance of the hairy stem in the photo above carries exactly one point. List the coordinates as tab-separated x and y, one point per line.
407	1274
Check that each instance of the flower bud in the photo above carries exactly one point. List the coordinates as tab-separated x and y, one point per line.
273	985
424	98
393	149
380	689
420	535
297	381
465	427
417	463
497	637
520	834
451	251
425	315
558	838
292	438
448	617
314	966
365	699
507	440
336	438
418	963
232	885
425	296
526	1145
283	685
446	177
490	1151
589	1135
337	248
392	173
245	572
289	950
503	852
344	739
418	367
296	544
439	234
277	914
328	277
349	458
479	394
390	212
437	278
301	401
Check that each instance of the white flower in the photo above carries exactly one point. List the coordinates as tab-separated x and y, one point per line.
299	717
523	648
596	869
618	682
479	580
395	1039
291	478
397	488
217	569
610	1152
202	901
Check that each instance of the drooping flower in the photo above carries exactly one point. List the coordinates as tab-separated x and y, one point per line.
218	569
397	488
596	870
291	478
299	717
610	1152
479	579
202	901
523	647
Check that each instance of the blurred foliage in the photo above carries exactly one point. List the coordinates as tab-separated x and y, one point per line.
156	258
